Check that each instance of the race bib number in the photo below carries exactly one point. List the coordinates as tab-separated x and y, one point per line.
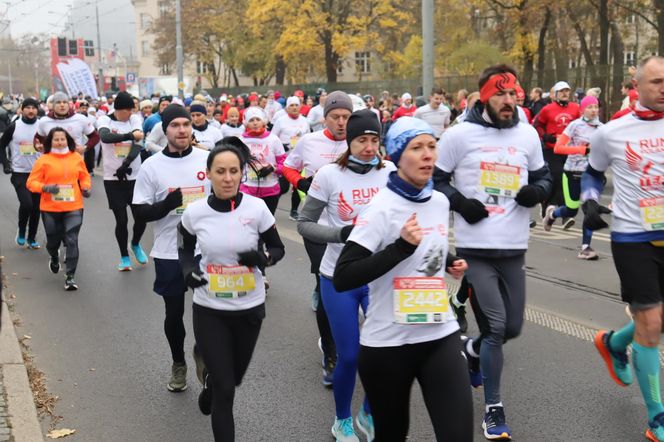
230	282
499	179
26	148
420	300
293	141
65	193
652	213
189	195
121	150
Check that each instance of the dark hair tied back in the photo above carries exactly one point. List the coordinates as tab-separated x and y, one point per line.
231	144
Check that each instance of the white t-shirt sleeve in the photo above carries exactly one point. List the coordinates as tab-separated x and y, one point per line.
186	222
535	156
144	191
135	122
277	147
88	127
599	158
320	188
104	122
446	154
294	160
370	228
266	218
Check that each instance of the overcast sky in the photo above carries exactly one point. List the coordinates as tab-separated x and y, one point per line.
36	16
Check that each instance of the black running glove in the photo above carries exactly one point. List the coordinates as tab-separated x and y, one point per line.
549	138
252	258
471	210
194	279
529	196
51	188
6	168
304	183
265	171
122	172
174	199
86	193
593	219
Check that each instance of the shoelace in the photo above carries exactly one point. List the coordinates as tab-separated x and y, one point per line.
495	418
346	427
620	356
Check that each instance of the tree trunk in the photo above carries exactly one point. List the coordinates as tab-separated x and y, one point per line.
618	50
235	79
331	58
562	46
541	46
280	70
659	10
590	65
604	32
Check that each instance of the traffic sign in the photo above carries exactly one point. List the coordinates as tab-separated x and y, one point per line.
131	77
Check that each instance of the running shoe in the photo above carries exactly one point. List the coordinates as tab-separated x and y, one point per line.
494	425
473	364
139	254
588	254
328	364
460	313
20	239
365	423
548	219
617	362
343	430
315	300
178	380
33	245
125	264
70	283
655	431
266	282
293	215
200	365
54	263
205	397
532	223
568	223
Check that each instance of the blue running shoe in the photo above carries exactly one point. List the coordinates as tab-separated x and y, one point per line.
125	264
139	254
655	431
33	245
315	300
343	430
474	369
494	425
20	239
365	423
616	362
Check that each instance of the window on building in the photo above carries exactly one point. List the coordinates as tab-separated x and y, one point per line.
572	64
630	58
630	19
89	48
363	62
62	47
145	48
340	67
73	47
145	21
201	67
163	7
165	69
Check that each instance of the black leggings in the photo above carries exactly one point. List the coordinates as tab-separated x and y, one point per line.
295	200
89	159
174	325
315	251
121	231
226	341
388	373
28	206
63	227
556	163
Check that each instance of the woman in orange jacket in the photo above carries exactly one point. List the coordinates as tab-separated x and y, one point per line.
63	180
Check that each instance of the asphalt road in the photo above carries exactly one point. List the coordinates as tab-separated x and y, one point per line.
104	354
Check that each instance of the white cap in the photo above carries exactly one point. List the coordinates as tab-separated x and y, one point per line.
406	96
292	100
253	112
560	86
176	100
223	98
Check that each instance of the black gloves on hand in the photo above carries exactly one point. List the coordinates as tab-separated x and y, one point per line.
265	171
471	210
593	211
549	138
51	188
529	196
345	232
252	258
194	279
122	172
174	199
304	183
6	168
86	193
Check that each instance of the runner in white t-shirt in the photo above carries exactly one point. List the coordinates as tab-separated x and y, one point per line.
229	296
120	134
205	134
292	126
167	182
232	127
499	173
343	191
435	113
399	247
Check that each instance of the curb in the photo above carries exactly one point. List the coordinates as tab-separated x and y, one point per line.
21	408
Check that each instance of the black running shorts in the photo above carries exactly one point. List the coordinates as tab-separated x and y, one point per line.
640	267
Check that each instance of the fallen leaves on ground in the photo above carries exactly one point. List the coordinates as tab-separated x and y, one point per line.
57	434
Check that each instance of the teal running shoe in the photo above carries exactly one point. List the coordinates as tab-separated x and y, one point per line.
139	254
343	430
655	431
616	362
125	264
365	423
20	239
33	245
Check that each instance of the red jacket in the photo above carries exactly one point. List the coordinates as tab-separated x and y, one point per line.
553	119
404	112
621	113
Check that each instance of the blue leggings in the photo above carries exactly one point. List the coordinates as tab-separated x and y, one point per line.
341	308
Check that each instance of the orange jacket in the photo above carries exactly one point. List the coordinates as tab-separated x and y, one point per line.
562	147
67	171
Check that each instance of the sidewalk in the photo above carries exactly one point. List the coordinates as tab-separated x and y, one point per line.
18	415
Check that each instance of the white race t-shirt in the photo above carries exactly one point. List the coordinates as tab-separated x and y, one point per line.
314	117
77	125
114	154
579	133
228	131
290	130
379	226
347	195
157	177
219	252
208	137
634	149
438	119
265	150
482	158
313	151
22	147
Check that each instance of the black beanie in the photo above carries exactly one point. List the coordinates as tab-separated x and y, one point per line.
362	122
30	102
123	101
172	112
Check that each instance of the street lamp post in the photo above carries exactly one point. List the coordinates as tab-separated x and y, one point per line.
178	48
100	85
427	46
